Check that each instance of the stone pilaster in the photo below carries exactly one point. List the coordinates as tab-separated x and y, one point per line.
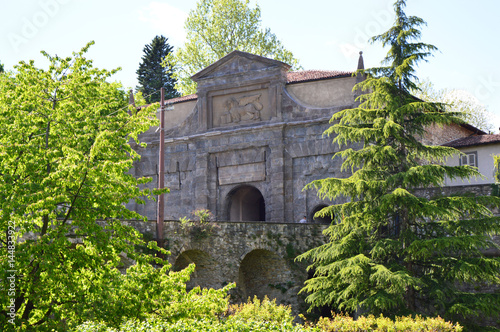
276	175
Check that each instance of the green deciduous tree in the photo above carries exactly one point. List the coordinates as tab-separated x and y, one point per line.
392	251
216	28
152	76
65	153
472	111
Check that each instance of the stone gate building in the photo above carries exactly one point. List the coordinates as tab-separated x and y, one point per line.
244	147
249	141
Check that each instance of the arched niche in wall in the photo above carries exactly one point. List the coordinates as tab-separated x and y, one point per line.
246	203
261	273
320	220
206	273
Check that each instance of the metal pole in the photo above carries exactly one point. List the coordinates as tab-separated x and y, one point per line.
161	172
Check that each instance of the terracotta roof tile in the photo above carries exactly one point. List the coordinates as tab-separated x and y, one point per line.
181	99
314	75
474	140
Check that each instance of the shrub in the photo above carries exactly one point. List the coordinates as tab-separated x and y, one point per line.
203	215
266	315
255	316
201	227
265	311
372	323
192	325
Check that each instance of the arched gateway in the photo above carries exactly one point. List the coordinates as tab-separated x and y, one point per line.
246	203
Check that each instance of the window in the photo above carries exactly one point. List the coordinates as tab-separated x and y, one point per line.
469	158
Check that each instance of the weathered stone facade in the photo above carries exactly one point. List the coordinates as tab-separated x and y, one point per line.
251	142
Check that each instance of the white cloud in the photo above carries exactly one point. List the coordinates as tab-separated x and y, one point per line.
168	20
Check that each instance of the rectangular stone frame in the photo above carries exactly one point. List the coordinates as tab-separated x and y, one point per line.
233	91
205	100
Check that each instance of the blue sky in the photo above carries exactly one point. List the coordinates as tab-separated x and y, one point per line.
322	34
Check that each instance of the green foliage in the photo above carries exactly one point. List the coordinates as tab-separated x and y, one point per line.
185	222
404	54
146	291
1	68
65	156
400	324
201	227
264	310
139	99
393	252
203	215
265	315
256	315
216	28
193	325
468	106
152	76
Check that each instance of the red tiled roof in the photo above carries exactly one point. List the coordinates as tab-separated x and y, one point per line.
314	75
474	140
181	99
291	77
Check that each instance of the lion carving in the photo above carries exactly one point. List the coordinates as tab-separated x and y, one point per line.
243	109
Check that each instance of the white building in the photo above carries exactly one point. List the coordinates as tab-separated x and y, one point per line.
478	151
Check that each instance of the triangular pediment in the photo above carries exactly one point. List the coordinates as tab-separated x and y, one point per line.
238	62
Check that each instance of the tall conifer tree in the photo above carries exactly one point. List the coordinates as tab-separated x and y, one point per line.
152	75
391	251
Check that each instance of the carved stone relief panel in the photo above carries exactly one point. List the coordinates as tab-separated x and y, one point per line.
241	166
242	173
241	108
240	157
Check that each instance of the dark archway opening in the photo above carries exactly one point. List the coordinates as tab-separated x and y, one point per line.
246	203
206	273
261	273
320	220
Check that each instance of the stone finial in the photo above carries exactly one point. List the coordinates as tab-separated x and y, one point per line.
361	64
131	100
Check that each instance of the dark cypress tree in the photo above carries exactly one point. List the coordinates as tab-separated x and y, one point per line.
152	75
391	251
1	68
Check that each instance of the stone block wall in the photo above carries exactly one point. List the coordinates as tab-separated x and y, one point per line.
258	257
202	171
